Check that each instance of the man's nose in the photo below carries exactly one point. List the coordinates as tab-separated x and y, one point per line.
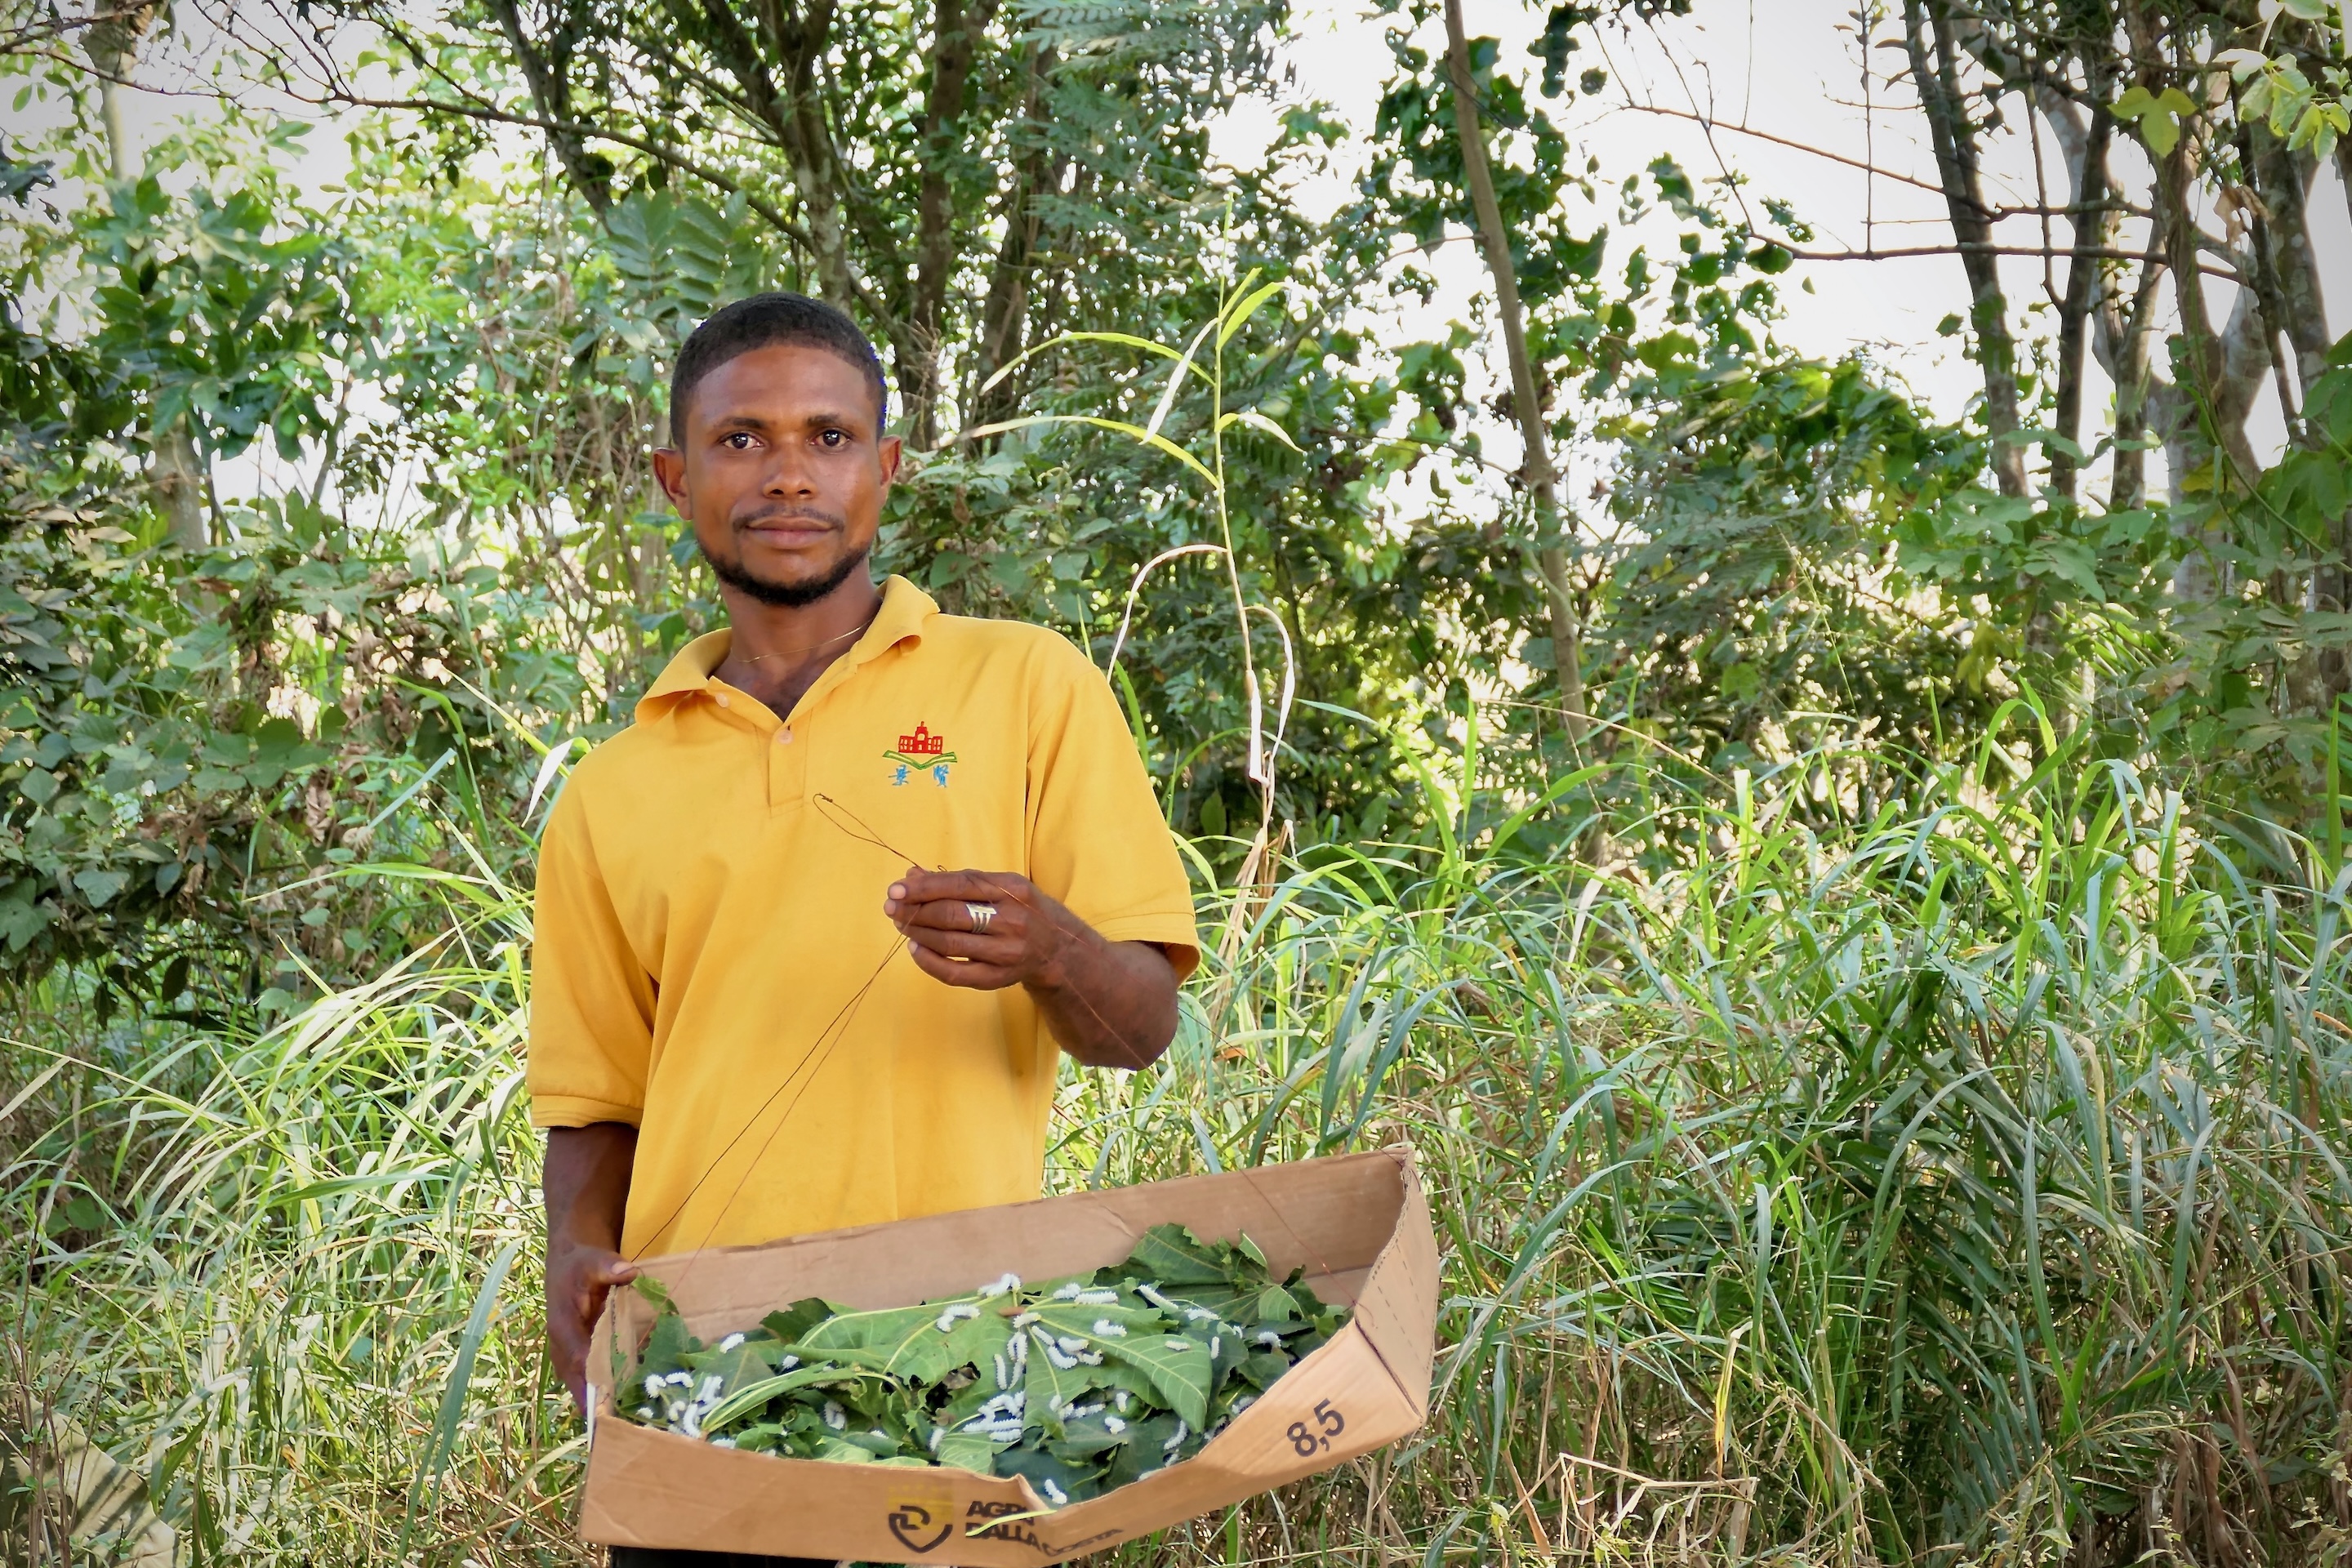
788	475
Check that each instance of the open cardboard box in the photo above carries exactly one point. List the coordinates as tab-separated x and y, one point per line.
1357	1223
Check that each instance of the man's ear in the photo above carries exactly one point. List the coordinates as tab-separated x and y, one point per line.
670	468
891	450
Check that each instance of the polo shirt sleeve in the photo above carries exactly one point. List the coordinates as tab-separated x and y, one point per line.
591	1003
1097	841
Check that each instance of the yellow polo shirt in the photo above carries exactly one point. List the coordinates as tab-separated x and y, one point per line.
712	963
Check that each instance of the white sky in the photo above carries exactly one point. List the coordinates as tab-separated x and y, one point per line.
1790	67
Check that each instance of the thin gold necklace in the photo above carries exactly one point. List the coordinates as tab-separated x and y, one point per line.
779	653
854	631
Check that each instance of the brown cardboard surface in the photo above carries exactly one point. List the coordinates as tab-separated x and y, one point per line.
1358	1223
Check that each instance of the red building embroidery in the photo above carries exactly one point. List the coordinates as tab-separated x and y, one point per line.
922	743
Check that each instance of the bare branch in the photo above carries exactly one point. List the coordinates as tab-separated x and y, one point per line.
667	153
1864	164
1982	247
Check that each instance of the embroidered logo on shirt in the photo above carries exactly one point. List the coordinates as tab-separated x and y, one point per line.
920	750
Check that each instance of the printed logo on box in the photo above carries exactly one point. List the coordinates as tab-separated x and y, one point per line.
922	1522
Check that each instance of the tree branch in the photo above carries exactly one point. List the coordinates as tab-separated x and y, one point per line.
549	81
2086	163
1864	164
1936	80
956	38
1566	635
1966	248
668	155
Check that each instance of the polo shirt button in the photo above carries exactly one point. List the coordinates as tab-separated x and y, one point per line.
722	700
783	737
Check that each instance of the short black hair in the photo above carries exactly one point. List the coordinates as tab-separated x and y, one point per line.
767	320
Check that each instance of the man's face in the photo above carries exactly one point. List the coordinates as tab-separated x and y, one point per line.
781	471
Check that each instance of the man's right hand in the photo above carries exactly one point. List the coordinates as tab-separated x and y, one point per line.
586	1181
578	1280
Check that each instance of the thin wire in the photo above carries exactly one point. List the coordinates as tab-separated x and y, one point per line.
858	630
813	1060
827	805
838	1029
765	1143
864	832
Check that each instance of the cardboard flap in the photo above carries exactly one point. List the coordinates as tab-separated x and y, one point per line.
1401	1324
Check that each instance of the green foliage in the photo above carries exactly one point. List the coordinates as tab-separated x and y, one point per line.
2251	670
208	319
1766	502
188	750
199	744
206	750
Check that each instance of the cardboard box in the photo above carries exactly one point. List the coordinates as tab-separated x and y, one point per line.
1358	1223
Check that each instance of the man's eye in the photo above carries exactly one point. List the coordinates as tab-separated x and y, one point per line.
740	440
835	437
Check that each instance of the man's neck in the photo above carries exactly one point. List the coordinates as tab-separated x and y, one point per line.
780	651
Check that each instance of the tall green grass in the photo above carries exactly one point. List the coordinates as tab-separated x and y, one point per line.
1963	1183
254	1263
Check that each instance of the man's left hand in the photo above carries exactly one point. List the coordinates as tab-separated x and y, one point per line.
1110	1003
985	930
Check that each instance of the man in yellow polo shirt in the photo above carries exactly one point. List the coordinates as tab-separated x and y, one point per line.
754	1012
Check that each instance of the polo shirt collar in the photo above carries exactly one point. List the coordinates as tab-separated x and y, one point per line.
905	609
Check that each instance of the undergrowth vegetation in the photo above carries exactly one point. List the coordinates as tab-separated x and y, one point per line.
1955	1183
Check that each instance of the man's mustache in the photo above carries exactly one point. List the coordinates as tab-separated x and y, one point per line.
787	514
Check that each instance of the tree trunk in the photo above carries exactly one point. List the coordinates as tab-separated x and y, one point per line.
2230	365
791	111
118	136
2283	180
1957	165
1566	636
2203	424
174	471
816	175
2119	338
956	35
2344	171
2294	315
2085	148
177	474
111	46
1004	315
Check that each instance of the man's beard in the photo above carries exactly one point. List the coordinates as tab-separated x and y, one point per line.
784	595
